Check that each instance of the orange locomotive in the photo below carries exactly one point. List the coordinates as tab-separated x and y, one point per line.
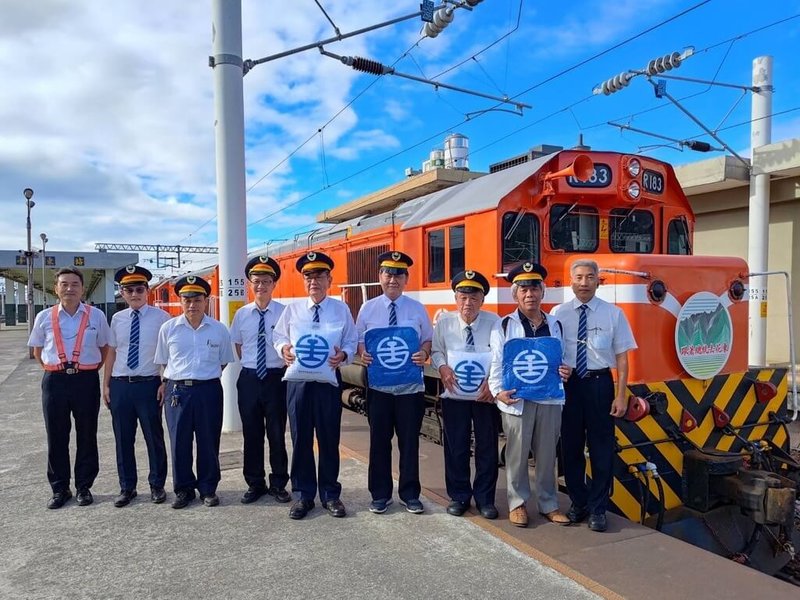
703	432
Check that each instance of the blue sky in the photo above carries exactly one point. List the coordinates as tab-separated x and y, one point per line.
109	115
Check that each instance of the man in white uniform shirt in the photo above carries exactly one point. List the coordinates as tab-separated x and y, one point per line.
261	393
314	405
597	338
467	329
194	348
528	425
131	381
397	408
70	341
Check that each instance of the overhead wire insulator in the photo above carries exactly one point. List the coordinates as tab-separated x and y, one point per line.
365	65
441	19
617	82
664	63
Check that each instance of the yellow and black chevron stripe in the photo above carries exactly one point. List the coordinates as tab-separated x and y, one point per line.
650	439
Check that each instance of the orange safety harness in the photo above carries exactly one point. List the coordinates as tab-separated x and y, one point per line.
70	368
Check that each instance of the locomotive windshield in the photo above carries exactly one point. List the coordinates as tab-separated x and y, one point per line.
573	228
520	239
631	231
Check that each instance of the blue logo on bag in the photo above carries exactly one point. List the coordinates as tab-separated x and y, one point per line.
530	366
470	375
392	352
312	351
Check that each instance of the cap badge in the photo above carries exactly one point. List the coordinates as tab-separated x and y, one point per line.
527	267
130	269
396	256
263	259
311	256
191	279
469	274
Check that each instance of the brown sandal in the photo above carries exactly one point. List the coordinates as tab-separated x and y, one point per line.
557	517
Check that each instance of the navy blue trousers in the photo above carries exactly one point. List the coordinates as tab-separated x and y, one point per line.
197	417
133	403
315	408
262	407
388	415
585	420
66	397
459	418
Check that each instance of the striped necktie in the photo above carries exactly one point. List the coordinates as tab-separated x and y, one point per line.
133	347
470	339
261	359
316	313
392	314
581	362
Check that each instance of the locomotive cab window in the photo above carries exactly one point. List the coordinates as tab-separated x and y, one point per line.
457	253
678	237
573	228
436	256
520	239
446	253
631	231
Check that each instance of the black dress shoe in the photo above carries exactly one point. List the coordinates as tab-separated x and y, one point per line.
210	500
598	522
280	494
488	511
59	499
157	495
252	494
124	498
182	499
336	508
300	509
84	497
577	514
457	508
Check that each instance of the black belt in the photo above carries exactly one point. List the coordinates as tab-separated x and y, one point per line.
270	370
136	378
593	373
193	382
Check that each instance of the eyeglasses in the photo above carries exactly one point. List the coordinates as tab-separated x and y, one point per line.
262	282
137	289
317	277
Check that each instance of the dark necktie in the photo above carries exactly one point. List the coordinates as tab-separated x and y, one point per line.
581	362
470	339
133	348
392	314
316	313
261	359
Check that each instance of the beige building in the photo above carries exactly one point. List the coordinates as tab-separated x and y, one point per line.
719	190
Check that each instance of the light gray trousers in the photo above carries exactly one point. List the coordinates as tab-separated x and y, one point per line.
537	429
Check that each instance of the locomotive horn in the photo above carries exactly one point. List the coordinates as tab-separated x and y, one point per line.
581	169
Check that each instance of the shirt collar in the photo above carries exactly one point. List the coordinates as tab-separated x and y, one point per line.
258	310
387	301
310	302
82	307
184	321
463	324
592	304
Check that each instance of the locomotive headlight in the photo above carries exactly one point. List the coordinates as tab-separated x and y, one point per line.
736	290
634	167
634	190
657	291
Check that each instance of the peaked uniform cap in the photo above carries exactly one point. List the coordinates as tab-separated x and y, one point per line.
470	281
192	285
132	275
262	265
395	262
314	261
527	273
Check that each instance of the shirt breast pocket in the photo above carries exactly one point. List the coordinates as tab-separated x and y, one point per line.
602	339
412	323
89	338
211	353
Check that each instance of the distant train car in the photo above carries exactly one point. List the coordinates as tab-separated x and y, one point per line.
703	450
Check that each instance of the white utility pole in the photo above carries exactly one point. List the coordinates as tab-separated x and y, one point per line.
226	61
758	229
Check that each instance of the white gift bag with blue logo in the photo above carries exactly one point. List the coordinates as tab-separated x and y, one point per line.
530	366
471	368
313	344
391	349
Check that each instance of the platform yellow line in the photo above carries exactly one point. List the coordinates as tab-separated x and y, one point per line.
536	554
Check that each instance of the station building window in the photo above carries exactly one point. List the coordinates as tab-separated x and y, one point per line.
573	228
631	231
520	239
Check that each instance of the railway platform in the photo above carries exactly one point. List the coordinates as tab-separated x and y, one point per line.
255	551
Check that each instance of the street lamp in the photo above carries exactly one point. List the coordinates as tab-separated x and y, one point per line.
43	237
28	193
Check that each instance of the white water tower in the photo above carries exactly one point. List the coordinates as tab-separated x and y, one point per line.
456	152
